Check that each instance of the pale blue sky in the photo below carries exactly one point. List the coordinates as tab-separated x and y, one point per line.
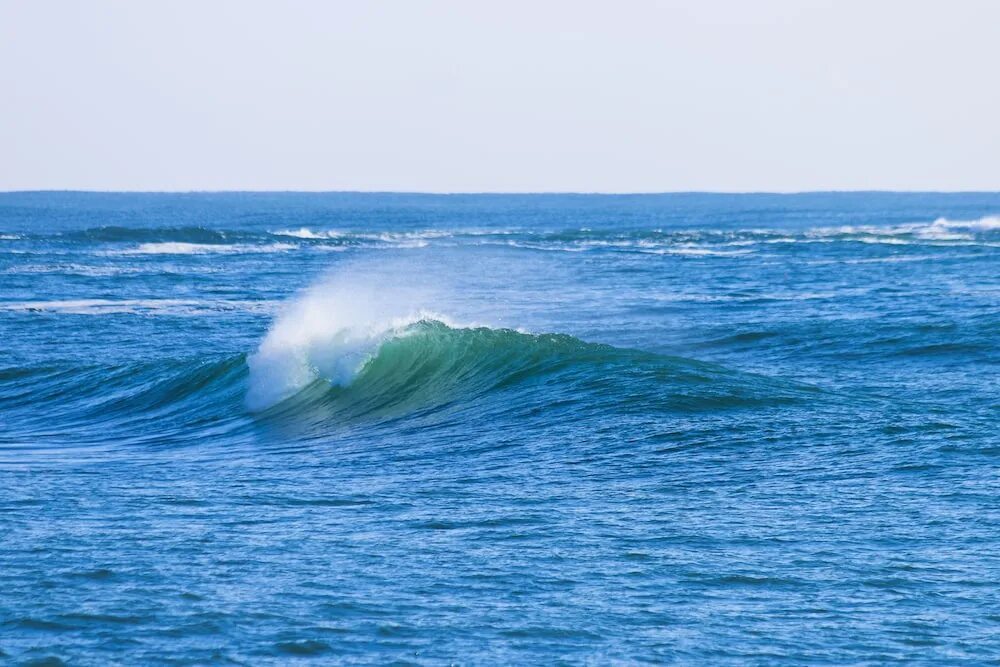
500	96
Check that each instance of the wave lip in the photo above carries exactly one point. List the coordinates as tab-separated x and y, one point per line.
299	351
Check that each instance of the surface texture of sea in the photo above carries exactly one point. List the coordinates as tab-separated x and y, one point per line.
484	429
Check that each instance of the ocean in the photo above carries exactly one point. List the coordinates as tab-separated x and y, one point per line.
256	428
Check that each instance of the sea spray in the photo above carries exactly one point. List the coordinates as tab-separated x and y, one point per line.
331	330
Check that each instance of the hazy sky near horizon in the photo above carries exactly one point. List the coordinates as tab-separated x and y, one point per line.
629	96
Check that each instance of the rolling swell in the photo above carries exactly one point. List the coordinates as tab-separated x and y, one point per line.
191	234
693	240
425	371
428	366
126	403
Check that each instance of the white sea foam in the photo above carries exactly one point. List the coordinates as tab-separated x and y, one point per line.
552	247
306	233
692	251
984	224
395	237
330	331
691	242
405	238
415	243
181	248
942	229
883	240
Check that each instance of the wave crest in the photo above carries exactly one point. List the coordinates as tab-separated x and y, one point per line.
328	333
339	351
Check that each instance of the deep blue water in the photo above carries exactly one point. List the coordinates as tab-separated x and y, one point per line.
366	428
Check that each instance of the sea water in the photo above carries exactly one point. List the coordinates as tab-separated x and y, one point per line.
480	429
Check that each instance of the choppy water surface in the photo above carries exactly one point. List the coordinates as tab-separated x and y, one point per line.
253	428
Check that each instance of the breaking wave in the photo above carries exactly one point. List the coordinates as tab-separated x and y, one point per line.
352	355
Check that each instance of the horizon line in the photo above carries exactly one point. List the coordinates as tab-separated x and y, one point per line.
605	193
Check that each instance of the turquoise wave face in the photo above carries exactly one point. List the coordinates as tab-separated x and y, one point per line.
428	369
423	372
498	429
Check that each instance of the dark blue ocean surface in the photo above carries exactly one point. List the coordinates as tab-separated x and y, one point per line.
367	428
